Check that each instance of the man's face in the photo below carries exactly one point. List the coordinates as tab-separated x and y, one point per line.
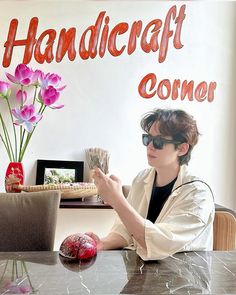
161	158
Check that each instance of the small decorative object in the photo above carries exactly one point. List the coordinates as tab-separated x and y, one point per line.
14	176
36	92
77	265
58	172
68	191
97	157
78	247
15	279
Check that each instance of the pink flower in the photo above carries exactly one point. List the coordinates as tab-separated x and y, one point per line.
15	288
44	90
49	92
5	90
25	289
51	80
23	75
21	96
27	117
49	96
37	77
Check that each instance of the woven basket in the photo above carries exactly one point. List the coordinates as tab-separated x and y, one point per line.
68	191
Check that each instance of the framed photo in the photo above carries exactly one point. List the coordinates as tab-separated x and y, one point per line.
56	172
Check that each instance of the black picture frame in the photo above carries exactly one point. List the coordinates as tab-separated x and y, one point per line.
75	171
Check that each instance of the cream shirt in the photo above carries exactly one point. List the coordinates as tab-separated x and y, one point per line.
185	222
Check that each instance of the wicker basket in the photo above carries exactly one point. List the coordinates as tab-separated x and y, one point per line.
68	191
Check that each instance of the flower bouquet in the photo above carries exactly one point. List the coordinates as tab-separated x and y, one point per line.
37	91
15	278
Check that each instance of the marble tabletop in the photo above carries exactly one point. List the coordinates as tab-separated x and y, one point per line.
118	272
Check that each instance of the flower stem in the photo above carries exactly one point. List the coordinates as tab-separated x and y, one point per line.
21	105
25	145
6	147
21	143
28	277
13	270
29	135
7	142
35	93
14	130
5	268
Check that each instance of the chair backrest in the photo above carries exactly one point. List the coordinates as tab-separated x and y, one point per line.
28	221
224	226
224	229
126	189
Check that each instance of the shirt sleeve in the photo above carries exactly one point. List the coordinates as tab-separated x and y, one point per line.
120	229
186	221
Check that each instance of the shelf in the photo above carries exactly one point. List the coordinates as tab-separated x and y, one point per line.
87	203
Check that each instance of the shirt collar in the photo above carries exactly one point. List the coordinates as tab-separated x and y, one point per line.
180	178
150	177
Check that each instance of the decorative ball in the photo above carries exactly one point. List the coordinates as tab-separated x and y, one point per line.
78	247
77	265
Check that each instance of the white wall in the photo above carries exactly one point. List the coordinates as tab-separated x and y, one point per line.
102	104
70	221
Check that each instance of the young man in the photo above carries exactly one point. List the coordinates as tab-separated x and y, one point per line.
167	210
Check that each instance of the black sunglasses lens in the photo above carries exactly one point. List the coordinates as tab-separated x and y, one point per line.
146	139
158	143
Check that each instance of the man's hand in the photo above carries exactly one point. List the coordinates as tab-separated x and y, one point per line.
96	239
109	187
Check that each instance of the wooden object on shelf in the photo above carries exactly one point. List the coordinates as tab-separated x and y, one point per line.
68	191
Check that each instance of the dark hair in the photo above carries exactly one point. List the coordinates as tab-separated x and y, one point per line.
175	123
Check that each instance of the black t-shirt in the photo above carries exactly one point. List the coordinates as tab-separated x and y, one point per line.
158	198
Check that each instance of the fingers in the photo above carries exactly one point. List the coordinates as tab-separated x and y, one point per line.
115	178
93	236
97	172
89	233
97	175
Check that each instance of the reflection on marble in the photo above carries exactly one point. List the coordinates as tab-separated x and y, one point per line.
123	272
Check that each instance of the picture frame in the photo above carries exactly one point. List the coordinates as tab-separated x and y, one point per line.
58	172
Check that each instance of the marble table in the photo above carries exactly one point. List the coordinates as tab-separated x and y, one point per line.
118	272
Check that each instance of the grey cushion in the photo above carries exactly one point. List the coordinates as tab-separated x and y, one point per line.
28	221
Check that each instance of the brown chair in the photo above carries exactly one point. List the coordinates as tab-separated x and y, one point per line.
224	229
28	221
224	226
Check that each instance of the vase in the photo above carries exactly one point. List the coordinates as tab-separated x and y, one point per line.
14	177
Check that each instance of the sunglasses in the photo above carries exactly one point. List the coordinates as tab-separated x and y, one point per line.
157	141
